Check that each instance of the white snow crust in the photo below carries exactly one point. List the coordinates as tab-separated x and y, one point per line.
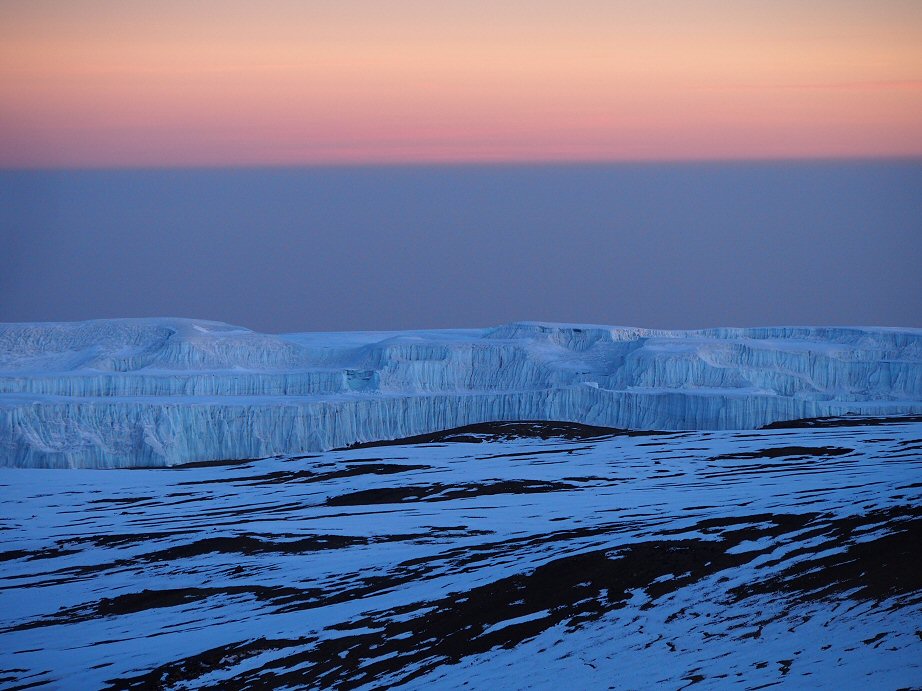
420	566
159	392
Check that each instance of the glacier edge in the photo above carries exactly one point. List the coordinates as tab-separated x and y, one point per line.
159	392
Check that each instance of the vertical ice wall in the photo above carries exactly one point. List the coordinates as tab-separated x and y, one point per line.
119	393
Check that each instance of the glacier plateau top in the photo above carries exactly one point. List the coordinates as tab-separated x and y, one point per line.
160	392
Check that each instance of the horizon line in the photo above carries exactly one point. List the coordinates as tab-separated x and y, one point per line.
466	163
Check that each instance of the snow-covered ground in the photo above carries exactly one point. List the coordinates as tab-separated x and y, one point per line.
762	557
155	392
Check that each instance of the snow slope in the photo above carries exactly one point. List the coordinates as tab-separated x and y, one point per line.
156	392
783	557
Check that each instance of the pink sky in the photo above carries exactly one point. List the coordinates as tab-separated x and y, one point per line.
110	83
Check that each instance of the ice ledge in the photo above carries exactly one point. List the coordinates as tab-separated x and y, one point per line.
127	392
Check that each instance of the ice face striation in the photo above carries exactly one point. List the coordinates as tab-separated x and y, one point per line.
158	392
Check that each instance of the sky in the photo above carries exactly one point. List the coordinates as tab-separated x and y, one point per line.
108	83
388	164
378	247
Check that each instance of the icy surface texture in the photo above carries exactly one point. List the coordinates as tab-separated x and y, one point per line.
783	557
156	392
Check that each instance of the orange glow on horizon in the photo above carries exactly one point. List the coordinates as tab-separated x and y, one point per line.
104	83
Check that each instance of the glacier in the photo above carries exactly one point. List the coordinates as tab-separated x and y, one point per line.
161	392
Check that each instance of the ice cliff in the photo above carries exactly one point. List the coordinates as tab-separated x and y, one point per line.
155	392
